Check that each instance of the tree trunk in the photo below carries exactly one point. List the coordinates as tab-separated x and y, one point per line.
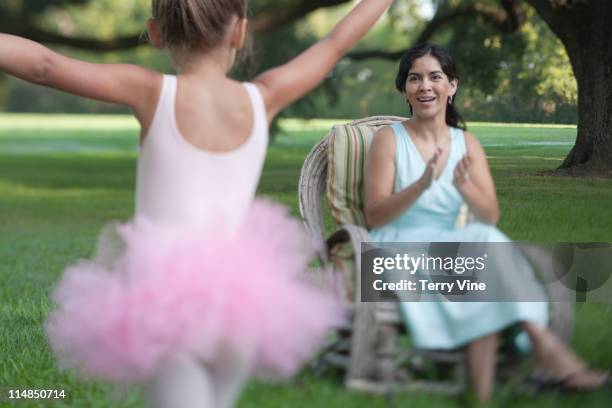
592	153
585	30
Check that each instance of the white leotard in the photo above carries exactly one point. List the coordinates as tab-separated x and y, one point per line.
180	184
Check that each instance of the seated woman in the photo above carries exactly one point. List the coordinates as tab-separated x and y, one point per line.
418	175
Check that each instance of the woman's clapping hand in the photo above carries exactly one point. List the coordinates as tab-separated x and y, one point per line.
461	173
430	170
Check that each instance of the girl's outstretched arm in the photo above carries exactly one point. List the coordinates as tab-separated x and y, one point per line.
122	84
285	84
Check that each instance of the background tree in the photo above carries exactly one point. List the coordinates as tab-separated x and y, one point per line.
583	27
513	67
26	18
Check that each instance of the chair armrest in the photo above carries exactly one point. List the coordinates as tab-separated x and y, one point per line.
353	233
353	236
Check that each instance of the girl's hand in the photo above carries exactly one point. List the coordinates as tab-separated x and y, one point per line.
428	175
461	175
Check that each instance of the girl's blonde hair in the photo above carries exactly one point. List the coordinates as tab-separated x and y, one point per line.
195	24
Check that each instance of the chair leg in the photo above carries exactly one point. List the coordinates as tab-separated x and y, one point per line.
387	353
362	365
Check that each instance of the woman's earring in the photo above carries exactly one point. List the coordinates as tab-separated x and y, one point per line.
450	100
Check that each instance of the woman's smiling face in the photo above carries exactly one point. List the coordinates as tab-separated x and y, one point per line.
427	88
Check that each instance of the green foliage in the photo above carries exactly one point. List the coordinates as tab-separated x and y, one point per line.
276	48
18	8
24	97
102	19
405	19
522	77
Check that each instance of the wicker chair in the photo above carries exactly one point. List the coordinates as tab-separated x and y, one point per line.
367	348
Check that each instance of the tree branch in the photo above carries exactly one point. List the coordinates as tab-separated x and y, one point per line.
90	44
558	15
266	22
546	9
262	23
507	20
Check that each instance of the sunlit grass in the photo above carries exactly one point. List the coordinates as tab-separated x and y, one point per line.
64	177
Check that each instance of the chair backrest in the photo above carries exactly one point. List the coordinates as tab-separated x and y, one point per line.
335	166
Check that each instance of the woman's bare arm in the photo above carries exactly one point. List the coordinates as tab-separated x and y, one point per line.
477	189
381	204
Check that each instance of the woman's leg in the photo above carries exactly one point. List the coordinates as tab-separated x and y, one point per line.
181	383
557	360
480	360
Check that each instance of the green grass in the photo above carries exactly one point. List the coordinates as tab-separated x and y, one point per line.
62	178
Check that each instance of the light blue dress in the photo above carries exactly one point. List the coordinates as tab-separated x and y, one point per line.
443	324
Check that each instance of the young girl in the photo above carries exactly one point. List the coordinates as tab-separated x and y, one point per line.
206	289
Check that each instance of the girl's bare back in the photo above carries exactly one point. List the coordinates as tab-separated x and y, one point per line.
215	116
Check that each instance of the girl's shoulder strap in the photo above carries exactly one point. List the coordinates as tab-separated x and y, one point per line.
257	101
164	111
167	98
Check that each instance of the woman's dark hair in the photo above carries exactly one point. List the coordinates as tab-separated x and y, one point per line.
453	118
195	24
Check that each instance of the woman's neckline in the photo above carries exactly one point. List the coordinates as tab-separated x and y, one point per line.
418	153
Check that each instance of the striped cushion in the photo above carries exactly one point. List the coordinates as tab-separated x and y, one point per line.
348	146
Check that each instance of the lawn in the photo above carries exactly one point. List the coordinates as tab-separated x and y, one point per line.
62	178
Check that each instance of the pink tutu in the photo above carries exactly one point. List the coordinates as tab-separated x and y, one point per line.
192	291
